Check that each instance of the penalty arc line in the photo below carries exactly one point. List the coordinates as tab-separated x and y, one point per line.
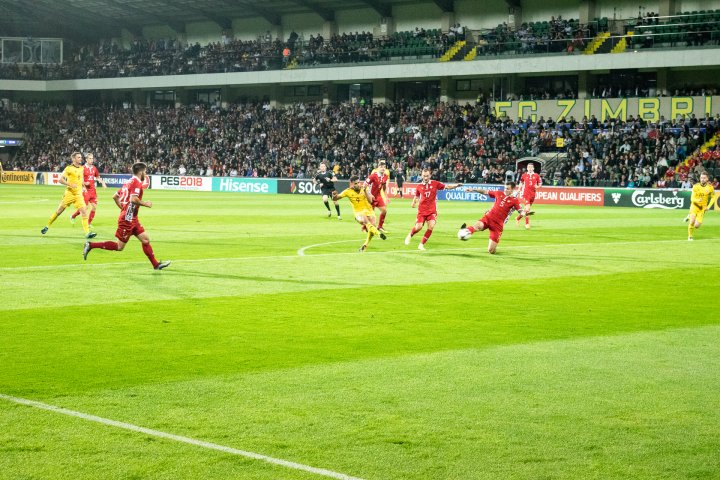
179	438
301	251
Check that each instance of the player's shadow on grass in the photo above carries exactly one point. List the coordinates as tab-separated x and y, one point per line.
461	255
249	278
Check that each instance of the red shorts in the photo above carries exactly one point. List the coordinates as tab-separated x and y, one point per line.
126	230
422	218
496	229
90	196
379	202
528	199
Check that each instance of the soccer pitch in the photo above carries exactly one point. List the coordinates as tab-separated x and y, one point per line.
588	347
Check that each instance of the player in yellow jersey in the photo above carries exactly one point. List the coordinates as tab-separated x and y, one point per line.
362	208
700	201
72	178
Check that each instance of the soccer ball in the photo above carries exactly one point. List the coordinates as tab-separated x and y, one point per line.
464	234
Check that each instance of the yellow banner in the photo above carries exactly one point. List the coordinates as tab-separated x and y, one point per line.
25	178
650	109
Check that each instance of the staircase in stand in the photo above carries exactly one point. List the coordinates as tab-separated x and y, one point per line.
596	43
452	51
623	43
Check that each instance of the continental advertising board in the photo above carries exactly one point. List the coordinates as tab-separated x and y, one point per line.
19	178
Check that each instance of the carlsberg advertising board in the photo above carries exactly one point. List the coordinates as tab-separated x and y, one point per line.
647	198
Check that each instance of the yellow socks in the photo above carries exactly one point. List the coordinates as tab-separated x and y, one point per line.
52	219
86	225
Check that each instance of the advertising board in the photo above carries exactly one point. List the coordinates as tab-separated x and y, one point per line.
245	185
20	178
462	195
647	198
115	180
570	196
171	182
305	186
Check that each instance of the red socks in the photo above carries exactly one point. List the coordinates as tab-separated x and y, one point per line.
426	236
382	220
104	245
472	229
77	212
147	249
413	231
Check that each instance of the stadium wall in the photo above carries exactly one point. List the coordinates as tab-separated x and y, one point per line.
543	10
696	5
481	15
250	28
305	24
424	15
362	19
156	32
622	9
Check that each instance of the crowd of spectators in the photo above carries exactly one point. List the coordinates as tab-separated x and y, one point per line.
460	143
557	35
688	29
144	57
155	57
364	47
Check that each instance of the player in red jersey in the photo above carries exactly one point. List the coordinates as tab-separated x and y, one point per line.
426	197
129	200
90	176
530	182
377	181
494	220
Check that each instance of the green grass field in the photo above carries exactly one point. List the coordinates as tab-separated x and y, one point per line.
588	347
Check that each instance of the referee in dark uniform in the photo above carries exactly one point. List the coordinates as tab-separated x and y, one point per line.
399	180
327	187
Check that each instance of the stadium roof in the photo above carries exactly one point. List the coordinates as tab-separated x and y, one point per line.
92	19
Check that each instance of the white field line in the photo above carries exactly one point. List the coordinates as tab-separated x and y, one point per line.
377	252
301	251
25	201
178	438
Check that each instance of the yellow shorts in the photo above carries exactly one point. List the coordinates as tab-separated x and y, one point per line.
698	212
364	213
75	200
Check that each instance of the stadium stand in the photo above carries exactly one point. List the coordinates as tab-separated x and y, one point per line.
554	36
459	142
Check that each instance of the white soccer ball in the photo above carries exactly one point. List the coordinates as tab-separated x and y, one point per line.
464	234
